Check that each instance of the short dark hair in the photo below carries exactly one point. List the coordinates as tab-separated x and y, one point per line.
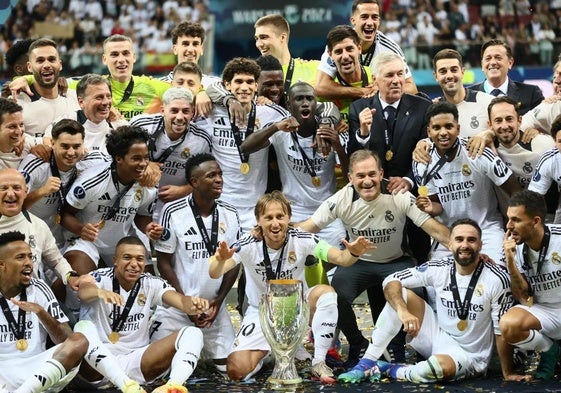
194	161
556	126
17	51
10	237
441	107
132	240
240	65
466	221
501	99
121	139
190	29
361	155
188	67
497	42
356	3
69	126
534	203
90	80
339	33
8	106
41	42
269	63
447	54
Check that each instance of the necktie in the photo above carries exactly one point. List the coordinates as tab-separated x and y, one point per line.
496	92
390	116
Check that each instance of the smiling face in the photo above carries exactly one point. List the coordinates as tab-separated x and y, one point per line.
177	115
96	102
243	87
271	85
45	65
119	57
302	103
495	63
449	74
346	56
12	192
131	167
68	149
443	130
465	244
505	123
188	48
11	131
16	264
273	222
366	177
269	41
366	20
129	261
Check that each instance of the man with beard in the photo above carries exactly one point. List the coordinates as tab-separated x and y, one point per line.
457	339
280	252
531	251
365	18
173	139
365	210
183	257
44	103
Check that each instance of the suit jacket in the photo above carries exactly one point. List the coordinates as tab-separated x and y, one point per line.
409	129
529	96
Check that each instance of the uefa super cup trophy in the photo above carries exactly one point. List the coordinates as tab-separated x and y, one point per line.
284	314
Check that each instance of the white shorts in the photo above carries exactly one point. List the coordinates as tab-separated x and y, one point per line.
250	337
432	340
218	338
548	315
15	370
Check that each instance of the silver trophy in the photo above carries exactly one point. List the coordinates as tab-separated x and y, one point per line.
284	314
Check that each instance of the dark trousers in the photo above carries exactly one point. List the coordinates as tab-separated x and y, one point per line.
350	282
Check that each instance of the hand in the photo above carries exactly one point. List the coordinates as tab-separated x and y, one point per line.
27	306
342	127
529	134
75	282
62	86
223	252
197	305
207	318
262	100
90	232
151	176
359	246
18	149
365	118
290	124
477	143
425	204
370	90
203	104
509	246
170	193
110	297
398	184
411	323
42	151
51	185
238	116
114	115
518	377
19	85
549	100
154	231
421	152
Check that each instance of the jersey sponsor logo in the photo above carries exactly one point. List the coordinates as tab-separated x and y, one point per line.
220	121
545	281
79	192
165	234
375	235
455	191
104	197
190	232
500	169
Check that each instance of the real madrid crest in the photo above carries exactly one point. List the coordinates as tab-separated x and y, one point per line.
474	122
141	299
389	216
185	153
222	228
479	290
555	258
292	257
466	170
138	195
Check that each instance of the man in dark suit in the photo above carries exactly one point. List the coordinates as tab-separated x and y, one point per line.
496	61
390	123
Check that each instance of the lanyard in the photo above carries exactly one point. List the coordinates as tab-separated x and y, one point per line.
210	243
63	190
244	157
119	317
267	261
308	162
542	254
428	175
289	74
365	61
128	91
169	149
462	308
363	75
17	328
115	207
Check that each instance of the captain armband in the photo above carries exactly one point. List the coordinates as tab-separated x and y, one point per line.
320	252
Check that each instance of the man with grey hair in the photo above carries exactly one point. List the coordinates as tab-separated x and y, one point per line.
173	139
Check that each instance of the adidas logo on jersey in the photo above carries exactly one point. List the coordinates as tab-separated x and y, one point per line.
105	197
191	231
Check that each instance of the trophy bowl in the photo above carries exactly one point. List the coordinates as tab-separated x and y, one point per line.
284	313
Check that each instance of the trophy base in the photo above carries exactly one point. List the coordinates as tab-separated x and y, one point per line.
282	384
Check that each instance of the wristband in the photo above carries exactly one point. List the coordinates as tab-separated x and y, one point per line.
71	273
200	90
320	252
350	252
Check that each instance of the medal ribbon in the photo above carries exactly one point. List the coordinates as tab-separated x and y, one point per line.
17	328
128	91
289	74
152	143
365	61
119	317
462	308
390	124
63	190
363	75
541	255
267	261
210	243
428	175
244	157
115	207
308	162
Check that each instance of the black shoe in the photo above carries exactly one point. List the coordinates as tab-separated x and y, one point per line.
356	352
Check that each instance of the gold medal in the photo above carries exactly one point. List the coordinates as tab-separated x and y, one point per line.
462	325
316	181
21	344
113	337
389	155
101	224
57	219
423	191
244	168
